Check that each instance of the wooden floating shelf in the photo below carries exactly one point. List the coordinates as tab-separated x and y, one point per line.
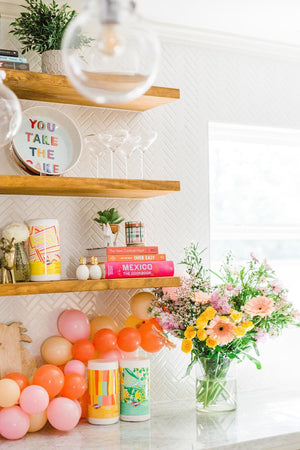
57	89
52	287
85	187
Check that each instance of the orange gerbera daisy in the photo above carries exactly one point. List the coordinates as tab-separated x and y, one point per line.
259	306
221	330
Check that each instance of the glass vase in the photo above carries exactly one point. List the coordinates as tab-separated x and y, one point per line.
215	385
21	267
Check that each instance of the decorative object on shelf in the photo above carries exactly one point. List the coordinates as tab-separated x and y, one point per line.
94	269
48	142
82	271
120	60
103	381
10	113
134	389
113	142
147	139
135	233
44	250
40	28
8	260
14	357
109	221
19	232
221	323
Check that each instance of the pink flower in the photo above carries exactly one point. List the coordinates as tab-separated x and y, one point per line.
220	304
171	292
259	306
237	290
200	297
296	315
229	287
254	257
276	286
261	336
221	330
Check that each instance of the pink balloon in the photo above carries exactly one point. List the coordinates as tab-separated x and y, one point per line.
129	355
113	355
14	422
75	366
78	407
34	399
63	413
74	325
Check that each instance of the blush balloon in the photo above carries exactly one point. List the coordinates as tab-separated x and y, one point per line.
56	350
112	355
100	322
74	325
14	422
9	392
129	339
37	421
75	366
83	350
34	399
74	386
19	378
63	414
50	378
105	340
140	303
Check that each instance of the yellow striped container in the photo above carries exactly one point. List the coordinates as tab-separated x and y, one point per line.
104	392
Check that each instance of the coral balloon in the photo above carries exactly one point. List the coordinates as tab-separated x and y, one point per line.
133	322
129	339
83	350
19	378
140	303
9	392
74	386
63	414
37	421
74	325
103	322
75	366
56	350
112	355
83	401
34	399
151	342
51	378
14	422
105	340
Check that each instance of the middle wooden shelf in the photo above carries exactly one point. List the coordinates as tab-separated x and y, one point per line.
52	287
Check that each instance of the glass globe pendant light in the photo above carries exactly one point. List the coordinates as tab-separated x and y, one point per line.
10	113
109	54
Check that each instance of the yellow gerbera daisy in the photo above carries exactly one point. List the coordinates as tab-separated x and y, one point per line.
190	333
211	342
186	346
224	318
209	313
248	324
201	335
236	316
239	331
200	322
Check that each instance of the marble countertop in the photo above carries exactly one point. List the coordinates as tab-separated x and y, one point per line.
263	420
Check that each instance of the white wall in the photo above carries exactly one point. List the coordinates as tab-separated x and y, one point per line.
239	86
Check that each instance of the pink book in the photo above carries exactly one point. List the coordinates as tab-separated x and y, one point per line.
137	269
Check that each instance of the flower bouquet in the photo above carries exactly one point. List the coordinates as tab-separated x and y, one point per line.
223	322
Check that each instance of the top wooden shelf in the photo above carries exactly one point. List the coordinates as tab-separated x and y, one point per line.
57	89
85	187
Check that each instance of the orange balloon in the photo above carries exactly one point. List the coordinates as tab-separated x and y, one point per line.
19	378
74	386
105	340
129	339
103	322
49	377
83	350
83	401
56	350
151	341
133	322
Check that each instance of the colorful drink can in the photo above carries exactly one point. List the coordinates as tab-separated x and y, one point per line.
135	233
44	250
134	389
104	392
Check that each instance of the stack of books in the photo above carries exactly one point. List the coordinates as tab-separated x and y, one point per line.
132	262
9	59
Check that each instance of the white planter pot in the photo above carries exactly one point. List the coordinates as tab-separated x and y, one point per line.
52	62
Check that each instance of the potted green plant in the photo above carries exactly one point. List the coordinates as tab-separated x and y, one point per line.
109	217
40	28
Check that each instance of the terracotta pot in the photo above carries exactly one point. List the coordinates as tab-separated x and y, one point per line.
114	228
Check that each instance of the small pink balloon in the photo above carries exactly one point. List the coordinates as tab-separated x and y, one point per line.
129	355
14	422
75	366
63	414
34	399
78	407
113	355
74	325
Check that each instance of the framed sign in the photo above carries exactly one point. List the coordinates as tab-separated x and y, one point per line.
48	142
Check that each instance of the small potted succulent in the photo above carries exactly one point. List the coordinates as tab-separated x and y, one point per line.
40	28
109	221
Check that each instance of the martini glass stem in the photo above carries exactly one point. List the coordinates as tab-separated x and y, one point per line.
112	163
142	164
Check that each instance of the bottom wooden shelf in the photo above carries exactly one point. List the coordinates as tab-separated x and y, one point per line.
52	287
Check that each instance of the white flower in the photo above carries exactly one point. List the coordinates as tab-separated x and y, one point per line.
19	231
